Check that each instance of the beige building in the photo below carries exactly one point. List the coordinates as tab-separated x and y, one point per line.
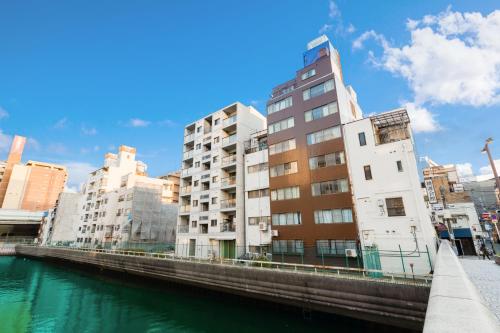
171	187
34	186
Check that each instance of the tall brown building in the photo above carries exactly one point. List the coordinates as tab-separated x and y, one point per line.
311	200
34	186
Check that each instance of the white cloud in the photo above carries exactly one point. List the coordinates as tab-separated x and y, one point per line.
88	130
5	141
136	122
325	28
486	170
464	170
33	144
335	22
3	113
452	58
78	173
57	148
167	123
334	11
61	123
422	120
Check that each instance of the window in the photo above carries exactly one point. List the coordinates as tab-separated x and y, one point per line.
198	146
321	112
213	223
283	169
216	139
328	216
130	196
197	164
198	130
400	166
285	193
323	161
216	121
395	207
294	246
195	183
362	139
286	219
281	125
368	172
258	167
194	224
215	179
258	219
318	90
215	159
323	135
195	203
258	193
308	74
334	247
280	105
214	200
281	147
329	187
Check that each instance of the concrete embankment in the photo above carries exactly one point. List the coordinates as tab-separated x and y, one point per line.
396	304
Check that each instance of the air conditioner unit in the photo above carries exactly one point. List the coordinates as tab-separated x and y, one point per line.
352	253
262	226
275	233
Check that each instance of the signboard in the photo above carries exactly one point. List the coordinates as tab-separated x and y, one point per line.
430	191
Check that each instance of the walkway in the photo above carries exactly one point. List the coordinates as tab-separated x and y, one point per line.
485	275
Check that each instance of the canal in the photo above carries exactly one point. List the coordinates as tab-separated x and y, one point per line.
37	296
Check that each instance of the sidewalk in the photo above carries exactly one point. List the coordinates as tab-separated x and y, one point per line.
485	275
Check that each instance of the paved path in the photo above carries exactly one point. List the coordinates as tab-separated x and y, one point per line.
485	275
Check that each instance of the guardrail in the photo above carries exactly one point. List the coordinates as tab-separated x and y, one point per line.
340	272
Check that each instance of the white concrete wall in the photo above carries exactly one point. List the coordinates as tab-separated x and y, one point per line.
15	189
66	218
389	233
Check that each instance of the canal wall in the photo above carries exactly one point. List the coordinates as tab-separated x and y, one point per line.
455	305
397	304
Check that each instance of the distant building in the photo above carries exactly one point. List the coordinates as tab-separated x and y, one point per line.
61	222
172	186
34	186
394	226
120	205
483	192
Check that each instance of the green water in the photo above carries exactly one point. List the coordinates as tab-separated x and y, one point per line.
37	296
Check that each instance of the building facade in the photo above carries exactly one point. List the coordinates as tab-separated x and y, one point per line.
121	205
34	186
395	230
308	173
211	218
60	224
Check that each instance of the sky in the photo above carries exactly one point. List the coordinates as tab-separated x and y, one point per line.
80	78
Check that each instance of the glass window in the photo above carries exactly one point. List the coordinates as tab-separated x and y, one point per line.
286	193
318	90
368	172
308	74
330	187
323	161
293	246
321	112
280	105
323	135
286	218
257	167
281	147
362	139
329	216
283	169
395	207
281	125
400	166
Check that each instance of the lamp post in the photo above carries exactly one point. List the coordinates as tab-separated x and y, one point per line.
486	150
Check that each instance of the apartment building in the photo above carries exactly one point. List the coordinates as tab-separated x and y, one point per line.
307	166
60	224
451	207
395	229
258	231
34	186
120	204
172	185
211	218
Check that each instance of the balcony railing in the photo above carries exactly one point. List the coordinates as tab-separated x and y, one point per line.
189	137
229	203
228	181
183	229
186	189
229	140
188	154
185	208
207	129
227	227
186	172
229	160
229	121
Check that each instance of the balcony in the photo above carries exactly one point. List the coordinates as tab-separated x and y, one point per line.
185	208
189	138
183	229
228	160
227	227
229	203
188	154
229	140
228	181
207	129
186	190
229	121
186	172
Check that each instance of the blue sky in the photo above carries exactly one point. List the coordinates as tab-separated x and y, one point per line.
79	78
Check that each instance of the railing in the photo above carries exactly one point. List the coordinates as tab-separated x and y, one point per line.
229	121
186	189
228	181
230	203
227	227
189	137
183	229
188	154
229	160
229	140
185	208
186	172
207	129
182	254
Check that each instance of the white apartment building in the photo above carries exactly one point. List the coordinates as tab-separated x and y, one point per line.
394	228
120	204
258	231
61	223
211	218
